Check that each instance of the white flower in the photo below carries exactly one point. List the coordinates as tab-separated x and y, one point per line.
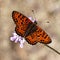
32	19
18	38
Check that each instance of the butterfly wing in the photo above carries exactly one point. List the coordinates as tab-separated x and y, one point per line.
21	22
38	36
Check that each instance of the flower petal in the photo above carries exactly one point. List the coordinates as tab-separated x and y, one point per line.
21	45
16	40
30	18
14	34
12	38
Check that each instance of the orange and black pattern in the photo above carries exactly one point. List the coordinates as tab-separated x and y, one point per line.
29	30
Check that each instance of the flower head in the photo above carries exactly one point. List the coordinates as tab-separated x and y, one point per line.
32	19
16	38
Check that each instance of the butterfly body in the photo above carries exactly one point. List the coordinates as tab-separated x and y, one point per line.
29	30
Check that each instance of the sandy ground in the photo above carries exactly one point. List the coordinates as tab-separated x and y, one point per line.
47	13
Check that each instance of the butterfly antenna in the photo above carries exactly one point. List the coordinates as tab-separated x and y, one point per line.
52	49
34	16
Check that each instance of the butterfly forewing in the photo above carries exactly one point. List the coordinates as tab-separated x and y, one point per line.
21	22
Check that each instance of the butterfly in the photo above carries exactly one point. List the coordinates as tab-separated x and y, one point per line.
29	30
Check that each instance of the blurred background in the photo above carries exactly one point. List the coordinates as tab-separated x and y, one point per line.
47	14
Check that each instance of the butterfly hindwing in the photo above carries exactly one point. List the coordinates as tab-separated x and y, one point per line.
38	36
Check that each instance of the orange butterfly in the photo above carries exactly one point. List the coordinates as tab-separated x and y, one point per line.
29	30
